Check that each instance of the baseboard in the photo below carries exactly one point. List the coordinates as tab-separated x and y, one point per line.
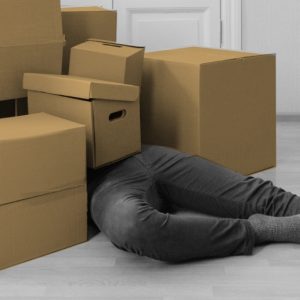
288	118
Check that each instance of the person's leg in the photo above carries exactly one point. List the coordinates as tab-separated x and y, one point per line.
130	211
198	184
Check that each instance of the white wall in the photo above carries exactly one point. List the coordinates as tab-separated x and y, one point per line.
104	3
274	26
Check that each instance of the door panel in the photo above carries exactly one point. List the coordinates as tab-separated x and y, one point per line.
166	24
274	27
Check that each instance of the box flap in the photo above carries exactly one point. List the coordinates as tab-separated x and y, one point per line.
197	55
111	43
114	91
37	124
83	9
109	48
79	87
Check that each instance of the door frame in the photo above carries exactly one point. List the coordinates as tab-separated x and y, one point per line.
231	20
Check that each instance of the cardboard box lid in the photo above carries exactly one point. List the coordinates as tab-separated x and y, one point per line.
83	9
197	55
33	125
79	87
109	48
30	21
40	154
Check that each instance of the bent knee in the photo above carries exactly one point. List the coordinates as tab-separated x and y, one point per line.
136	229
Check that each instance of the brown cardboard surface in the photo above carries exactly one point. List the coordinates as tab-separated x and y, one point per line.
80	87
31	40
197	56
82	23
117	139
40	154
34	227
109	61
16	60
217	105
108	139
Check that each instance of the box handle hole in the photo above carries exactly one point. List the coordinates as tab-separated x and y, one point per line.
117	115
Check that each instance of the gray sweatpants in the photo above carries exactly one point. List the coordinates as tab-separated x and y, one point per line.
139	204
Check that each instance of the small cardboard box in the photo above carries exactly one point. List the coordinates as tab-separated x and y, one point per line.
214	103
82	23
109	61
110	111
43	201
40	154
31	40
37	226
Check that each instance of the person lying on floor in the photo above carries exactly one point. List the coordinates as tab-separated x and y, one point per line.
140	203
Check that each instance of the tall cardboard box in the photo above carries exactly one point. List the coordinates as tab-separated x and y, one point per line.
43	201
214	103
31	40
109	61
110	111
82	23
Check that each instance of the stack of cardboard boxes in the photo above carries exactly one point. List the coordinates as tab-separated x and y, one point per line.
102	92
31	40
34	42
82	23
43	199
214	103
43	202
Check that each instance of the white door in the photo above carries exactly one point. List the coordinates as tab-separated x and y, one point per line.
77	3
166	24
273	26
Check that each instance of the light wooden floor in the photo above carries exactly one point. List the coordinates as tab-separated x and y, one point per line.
98	270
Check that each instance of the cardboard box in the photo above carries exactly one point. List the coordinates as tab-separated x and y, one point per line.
31	40
82	23
214	103
110	111
109	61
40	225
43	201
40	154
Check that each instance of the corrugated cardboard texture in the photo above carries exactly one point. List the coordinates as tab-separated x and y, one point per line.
82	23
170	106
217	104
116	139
242	131
80	87
40	154
112	127
31	40
107	61
197	56
17	60
73	109
41	225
